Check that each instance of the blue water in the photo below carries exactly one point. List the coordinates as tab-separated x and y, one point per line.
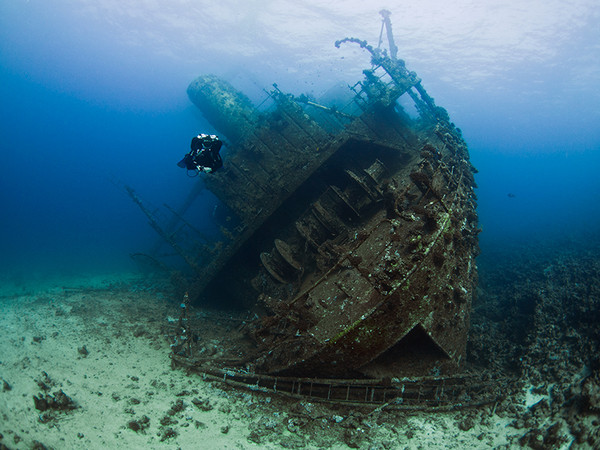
93	96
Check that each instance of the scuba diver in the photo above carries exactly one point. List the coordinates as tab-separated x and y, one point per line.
204	155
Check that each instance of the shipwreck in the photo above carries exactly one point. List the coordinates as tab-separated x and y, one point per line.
349	234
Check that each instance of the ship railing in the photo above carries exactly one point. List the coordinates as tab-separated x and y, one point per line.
415	393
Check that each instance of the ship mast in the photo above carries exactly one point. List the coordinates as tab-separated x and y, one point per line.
387	24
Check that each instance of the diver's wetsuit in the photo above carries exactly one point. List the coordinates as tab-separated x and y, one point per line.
204	154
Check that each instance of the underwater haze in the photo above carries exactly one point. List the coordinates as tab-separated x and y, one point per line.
94	98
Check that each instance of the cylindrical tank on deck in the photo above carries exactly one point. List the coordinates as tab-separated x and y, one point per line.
228	110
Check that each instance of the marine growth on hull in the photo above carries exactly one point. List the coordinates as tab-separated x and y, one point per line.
349	233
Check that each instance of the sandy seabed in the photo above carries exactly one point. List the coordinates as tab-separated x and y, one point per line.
95	354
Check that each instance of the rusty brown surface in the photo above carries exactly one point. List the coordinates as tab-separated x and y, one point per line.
355	246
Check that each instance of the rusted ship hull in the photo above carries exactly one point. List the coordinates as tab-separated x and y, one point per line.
399	265
351	233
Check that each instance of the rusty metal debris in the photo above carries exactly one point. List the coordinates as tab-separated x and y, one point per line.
409	394
350	233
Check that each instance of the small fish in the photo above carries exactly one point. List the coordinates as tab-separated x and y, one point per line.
511	195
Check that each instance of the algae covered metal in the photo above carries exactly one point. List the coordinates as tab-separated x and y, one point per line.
350	233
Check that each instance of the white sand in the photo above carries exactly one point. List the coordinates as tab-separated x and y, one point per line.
127	375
